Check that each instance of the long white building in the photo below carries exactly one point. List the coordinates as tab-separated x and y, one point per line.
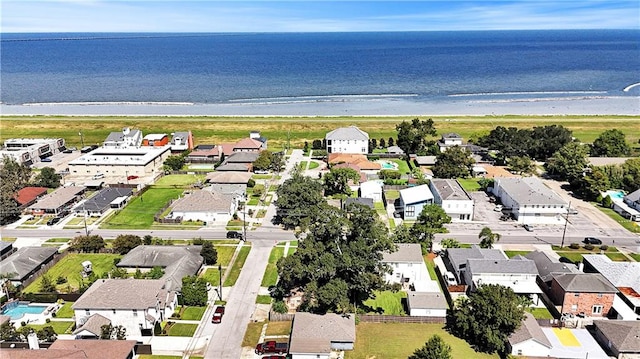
531	202
120	162
31	150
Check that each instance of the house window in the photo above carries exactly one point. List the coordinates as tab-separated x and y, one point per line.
574	307
576	294
599	295
87	312
114	311
135	312
597	309
410	211
519	351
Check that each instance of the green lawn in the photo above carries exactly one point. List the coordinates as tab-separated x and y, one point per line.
70	267
618	257
271	273
138	214
181	181
152	356
263	299
182	330
575	257
469	184
255	177
252	335
392	194
540	313
237	266
224	254
57	240
278	328
512	254
193	313
633	227
403	166
65	311
212	275
313	165
60	327
635	256
400	340
430	267
302	165
389	302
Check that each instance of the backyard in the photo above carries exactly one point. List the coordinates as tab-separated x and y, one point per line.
387	302
138	214
469	184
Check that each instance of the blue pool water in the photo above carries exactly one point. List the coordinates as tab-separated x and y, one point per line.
20	310
388	166
615	194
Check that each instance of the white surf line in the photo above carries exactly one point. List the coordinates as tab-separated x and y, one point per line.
626	89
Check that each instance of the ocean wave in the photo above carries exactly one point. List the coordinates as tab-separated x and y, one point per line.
626	89
526	93
128	103
544	99
321	97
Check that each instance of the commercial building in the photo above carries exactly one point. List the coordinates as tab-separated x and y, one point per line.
31	150
530	201
120	162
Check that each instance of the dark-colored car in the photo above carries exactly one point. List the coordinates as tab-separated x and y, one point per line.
528	227
131	177
67	151
272	346
217	315
234	234
591	240
53	221
274	357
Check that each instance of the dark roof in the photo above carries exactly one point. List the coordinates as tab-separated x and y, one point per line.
233	167
449	189
363	201
529	329
27	195
624	335
103	198
459	256
633	196
25	260
584	283
4	245
242	157
127	293
547	266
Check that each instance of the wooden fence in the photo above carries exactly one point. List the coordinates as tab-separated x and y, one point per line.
374	318
44	268
158	216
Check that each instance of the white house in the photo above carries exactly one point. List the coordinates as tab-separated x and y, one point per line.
427	304
316	336
371	189
529	340
454	200
347	140
457	258
126	138
629	206
413	200
407	264
530	200
449	140
206	206
136	304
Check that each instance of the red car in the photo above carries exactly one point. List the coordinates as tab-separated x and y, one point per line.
131	177
217	315
274	357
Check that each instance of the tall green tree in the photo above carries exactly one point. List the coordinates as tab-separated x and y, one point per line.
8	332
47	285
413	136
631	176
455	162
88	244
336	181
48	178
175	162
508	142
430	221
277	162
434	348
194	291
13	177
569	162
610	143
521	165
546	140
338	262
487	317
263	162
591	184
299	200
209	253
126	242
488	237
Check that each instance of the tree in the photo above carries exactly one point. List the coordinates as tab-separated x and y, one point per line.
209	253
521	165
155	273
317	145
8	332
546	140
47	334
339	261
374	144
305	149
508	142
47	285
194	291
382	143
434	348
110	332
591	184
13	177
48	178
146	240
488	238
569	162
88	244
430	221
125	243
390	142
336	181
485	183
610	143
487	317
455	162
450	243
175	162
631	174
263	162
277	162
299	199
412	136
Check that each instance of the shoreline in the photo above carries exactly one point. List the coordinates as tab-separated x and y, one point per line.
344	106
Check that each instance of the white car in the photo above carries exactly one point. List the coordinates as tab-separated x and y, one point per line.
498	208
261	172
450	278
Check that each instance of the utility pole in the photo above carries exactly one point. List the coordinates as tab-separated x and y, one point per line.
86	230
81	139
566	221
220	285
244	222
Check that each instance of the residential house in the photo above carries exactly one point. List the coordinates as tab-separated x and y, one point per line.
29	195
625	276
317	336
121	161
136	304
76	349
456	259
176	261
372	190
588	294
58	201
449	140
6	248
347	140
454	200
530	201
529	339
228	178
359	200
28	151
248	145
407	264
413	200
425	160
239	161
547	267
620	337
25	262
155	139
181	141
205	206
204	154
123	139
111	197
395	150
629	206
427	304
255	135
359	160
92	328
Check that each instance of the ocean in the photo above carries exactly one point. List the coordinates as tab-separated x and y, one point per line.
276	68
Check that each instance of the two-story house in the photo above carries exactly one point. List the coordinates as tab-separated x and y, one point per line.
530	201
588	294
125	138
454	200
413	200
407	264
449	140
625	276
347	140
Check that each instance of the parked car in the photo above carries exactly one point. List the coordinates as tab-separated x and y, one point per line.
528	227
217	315
46	159
234	234
449	277
67	151
498	208
131	177
591	240
274	357
98	176
261	172
53	221
272	346
505	217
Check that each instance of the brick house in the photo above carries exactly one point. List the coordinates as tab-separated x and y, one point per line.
590	294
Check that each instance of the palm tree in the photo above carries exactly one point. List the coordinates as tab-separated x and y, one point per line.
5	282
488	238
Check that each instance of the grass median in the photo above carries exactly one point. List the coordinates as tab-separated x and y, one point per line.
237	266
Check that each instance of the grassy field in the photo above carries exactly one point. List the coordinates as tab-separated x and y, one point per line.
278	328
60	327
399	340
182	330
65	311
211	129
632	227
212	275
252	335
237	266
152	356
403	166
388	302
635	256
138	214
193	313
469	184
431	267
70	266
181	181
271	273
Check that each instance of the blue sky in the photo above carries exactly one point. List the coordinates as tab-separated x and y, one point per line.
313	16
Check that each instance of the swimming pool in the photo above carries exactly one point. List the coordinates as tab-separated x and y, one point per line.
614	194
18	311
388	165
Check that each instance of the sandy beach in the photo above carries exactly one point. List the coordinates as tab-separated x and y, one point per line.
348	106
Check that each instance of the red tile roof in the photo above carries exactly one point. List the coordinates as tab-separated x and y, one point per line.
27	195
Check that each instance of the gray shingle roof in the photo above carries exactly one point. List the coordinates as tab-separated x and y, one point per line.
229	177
529	191
406	253
129	293
313	334
347	133
103	198
359	200
426	300
584	283
203	201
25	260
529	329
623	334
459	256
449	189
523	266
94	325
119	136
227	188
242	157
547	266
233	167
633	196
